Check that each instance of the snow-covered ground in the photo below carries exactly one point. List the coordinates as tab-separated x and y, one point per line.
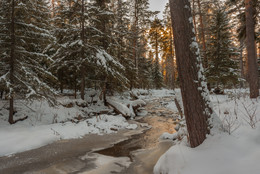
71	118
235	151
45	124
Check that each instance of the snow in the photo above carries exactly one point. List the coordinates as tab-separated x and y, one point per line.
19	138
121	108
45	124
106	164
234	151
68	120
169	136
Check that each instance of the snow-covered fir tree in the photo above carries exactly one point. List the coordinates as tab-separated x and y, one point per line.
111	72
68	44
24	35
221	52
121	39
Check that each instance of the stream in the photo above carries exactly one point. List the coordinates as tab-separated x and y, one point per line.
139	153
125	152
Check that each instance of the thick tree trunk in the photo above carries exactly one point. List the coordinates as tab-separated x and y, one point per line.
251	50
205	59
196	107
12	62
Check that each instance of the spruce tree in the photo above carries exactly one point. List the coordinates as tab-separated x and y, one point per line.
221	52
141	19
110	71
24	35
71	56
122	46
157	75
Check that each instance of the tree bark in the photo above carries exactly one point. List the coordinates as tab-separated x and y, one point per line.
12	62
251	50
192	85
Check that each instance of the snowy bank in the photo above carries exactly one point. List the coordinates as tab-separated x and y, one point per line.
235	151
18	138
219	154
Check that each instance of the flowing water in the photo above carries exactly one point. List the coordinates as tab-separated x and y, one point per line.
145	149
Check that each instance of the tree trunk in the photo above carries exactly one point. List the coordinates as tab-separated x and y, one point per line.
241	63
61	87
105	92
82	90
75	91
251	50
172	60
136	35
205	60
193	87
12	62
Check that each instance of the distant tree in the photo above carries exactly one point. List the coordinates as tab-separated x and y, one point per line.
202	35
192	81
155	36
221	52
167	48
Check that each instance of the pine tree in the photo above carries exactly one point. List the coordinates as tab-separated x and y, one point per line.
192	81
221	52
155	36
167	48
24	35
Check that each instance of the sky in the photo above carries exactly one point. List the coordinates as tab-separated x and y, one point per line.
158	5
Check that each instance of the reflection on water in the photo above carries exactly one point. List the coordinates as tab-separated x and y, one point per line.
146	140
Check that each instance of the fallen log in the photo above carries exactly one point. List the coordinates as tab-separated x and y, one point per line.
120	108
